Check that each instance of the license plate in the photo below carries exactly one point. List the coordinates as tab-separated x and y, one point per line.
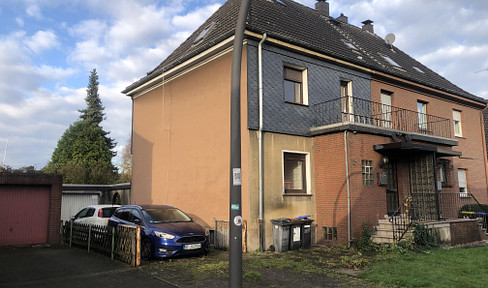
192	246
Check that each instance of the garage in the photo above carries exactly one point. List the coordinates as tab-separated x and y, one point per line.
30	209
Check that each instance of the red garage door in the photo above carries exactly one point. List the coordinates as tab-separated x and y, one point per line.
24	214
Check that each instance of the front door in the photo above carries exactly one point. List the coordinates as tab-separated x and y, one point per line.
422	187
391	189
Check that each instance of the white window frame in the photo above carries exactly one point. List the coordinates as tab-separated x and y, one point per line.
386	111
308	177
304	71
422	115
347	100
463	182
457	123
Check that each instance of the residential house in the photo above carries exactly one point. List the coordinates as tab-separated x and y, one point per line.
350	126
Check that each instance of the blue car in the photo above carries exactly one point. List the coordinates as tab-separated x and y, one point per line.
165	230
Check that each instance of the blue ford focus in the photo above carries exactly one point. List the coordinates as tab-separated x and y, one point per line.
165	230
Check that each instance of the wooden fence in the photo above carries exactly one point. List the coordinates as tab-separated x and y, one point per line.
222	234
122	243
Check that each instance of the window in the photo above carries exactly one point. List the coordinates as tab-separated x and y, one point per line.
456	116
295	85
386	119
444	169
463	187
295	172
422	113
330	233
389	60
347	101
204	33
367	171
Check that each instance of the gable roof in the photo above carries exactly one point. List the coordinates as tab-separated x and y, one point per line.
296	24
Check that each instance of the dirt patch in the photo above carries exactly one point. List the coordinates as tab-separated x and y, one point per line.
316	267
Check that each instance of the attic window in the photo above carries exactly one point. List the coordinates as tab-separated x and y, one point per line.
349	44
418	69
389	60
280	2
204	33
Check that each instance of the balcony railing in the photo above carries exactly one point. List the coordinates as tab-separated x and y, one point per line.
350	109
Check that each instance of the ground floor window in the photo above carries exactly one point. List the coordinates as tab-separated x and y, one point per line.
295	172
463	188
330	233
367	171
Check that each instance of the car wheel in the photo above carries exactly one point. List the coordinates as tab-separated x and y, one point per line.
146	251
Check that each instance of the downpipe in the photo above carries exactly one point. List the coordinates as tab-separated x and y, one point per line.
260	145
346	156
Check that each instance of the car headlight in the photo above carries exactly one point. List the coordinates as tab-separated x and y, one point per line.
164	235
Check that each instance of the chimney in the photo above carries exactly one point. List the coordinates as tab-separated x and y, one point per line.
368	26
323	7
342	18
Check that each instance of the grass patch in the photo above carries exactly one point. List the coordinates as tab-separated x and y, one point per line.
457	267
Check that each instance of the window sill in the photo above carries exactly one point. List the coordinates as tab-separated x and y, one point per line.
297	194
460	136
296	103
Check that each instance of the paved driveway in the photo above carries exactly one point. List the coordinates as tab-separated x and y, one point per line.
56	267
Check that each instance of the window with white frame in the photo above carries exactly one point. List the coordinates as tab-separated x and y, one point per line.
295	84
295	169
347	101
367	172
463	186
456	116
422	115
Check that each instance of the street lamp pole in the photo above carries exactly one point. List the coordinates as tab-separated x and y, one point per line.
235	211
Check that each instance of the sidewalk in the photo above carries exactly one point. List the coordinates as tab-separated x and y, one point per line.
57	267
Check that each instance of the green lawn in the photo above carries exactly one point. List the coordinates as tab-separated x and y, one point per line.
457	267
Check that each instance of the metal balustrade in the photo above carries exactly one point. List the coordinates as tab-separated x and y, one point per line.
357	110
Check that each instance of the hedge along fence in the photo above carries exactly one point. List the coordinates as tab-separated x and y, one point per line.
122	243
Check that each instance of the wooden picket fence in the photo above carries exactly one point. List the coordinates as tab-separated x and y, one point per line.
122	243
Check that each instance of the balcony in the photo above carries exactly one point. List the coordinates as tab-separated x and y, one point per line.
356	110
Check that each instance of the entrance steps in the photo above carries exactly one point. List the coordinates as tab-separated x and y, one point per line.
384	231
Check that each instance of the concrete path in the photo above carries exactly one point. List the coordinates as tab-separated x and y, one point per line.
57	267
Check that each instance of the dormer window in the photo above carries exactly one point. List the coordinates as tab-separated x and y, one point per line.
389	60
204	33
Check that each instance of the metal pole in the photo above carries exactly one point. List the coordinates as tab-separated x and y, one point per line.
235	214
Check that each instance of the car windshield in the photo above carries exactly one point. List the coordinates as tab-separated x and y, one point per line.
165	215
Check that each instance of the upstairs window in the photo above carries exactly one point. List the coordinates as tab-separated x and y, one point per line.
422	115
294	82
458	130
389	60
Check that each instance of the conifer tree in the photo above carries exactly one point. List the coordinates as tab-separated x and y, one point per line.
84	151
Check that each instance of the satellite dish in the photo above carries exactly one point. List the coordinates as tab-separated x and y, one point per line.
390	38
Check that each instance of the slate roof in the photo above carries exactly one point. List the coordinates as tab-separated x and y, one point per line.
296	24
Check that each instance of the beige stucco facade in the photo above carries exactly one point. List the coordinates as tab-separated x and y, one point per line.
276	203
181	141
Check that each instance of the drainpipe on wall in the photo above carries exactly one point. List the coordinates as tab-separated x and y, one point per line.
260	144
346	156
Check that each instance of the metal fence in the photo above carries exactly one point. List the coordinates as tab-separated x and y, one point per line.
122	243
357	110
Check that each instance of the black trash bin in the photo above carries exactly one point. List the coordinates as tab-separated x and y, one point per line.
306	233
295	235
281	234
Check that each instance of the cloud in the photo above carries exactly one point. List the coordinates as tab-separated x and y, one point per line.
41	41
34	11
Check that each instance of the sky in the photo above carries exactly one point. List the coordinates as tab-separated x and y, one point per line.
49	47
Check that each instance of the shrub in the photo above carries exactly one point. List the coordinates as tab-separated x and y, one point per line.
424	237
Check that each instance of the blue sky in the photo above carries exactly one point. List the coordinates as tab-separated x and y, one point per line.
49	47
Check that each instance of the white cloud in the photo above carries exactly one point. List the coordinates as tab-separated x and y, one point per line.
19	21
42	40
34	11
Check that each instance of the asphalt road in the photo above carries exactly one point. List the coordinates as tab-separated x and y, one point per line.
57	267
